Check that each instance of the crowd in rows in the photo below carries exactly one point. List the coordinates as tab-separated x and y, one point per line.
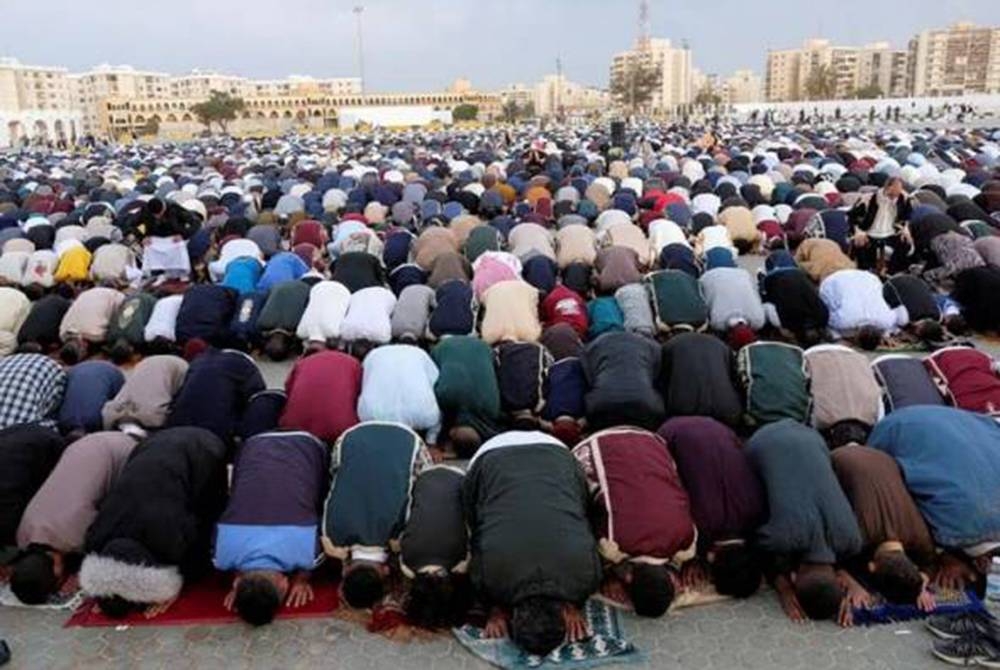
642	409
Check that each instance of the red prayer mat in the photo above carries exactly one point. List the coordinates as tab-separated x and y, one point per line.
202	603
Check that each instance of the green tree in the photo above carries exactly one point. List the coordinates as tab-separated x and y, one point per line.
708	96
510	111
634	85
869	92
220	108
821	84
465	112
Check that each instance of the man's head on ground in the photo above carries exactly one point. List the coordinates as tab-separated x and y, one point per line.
735	569
465	440
363	585
73	351
810	337
818	592
650	588
848	431
259	595
434	600
120	352
743	247
868	338
36	575
116	607
956	324
278	346
928	330
537	625
898	578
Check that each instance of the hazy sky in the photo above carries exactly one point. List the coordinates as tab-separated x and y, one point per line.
415	45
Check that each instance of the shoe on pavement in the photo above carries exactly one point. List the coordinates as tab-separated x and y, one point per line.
968	651
952	627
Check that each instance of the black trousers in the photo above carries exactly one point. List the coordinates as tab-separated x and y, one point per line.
899	261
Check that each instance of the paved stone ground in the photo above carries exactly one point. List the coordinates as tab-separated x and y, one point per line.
726	636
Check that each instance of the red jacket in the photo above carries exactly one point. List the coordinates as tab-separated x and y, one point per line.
646	511
323	391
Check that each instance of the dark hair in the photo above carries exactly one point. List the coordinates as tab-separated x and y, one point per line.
257	600
743	246
72	352
467	442
363	587
537	625
651	589
33	291
899	580
736	571
956	324
120	351
116	607
30	348
34	578
810	337
433	601
868	338
65	290
928	330
819	596
846	432
277	347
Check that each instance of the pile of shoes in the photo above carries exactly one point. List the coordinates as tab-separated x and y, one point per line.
967	639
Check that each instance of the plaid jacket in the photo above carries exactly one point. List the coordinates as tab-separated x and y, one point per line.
31	390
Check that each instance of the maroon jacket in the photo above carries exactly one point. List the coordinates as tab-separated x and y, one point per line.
323	392
643	510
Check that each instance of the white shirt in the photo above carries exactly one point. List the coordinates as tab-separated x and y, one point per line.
369	315
325	312
398	385
854	298
663	232
163	318
232	250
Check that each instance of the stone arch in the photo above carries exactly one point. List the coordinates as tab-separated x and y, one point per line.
317	113
139	118
187	117
171	118
41	129
261	115
274	114
287	114
155	118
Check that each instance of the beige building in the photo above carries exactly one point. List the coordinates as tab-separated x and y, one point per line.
880	66
123	117
555	95
36	103
673	64
114	81
743	86
789	72
958	60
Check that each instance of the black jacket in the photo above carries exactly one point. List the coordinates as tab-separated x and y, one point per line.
28	453
526	507
697	378
167	498
206	312
216	391
623	371
862	215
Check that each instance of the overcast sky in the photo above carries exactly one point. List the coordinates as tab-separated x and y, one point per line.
422	45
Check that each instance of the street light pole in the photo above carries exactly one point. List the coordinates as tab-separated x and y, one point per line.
358	10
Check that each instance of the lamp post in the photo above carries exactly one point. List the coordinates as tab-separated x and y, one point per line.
358	10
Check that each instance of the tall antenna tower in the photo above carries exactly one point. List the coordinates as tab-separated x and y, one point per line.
644	23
